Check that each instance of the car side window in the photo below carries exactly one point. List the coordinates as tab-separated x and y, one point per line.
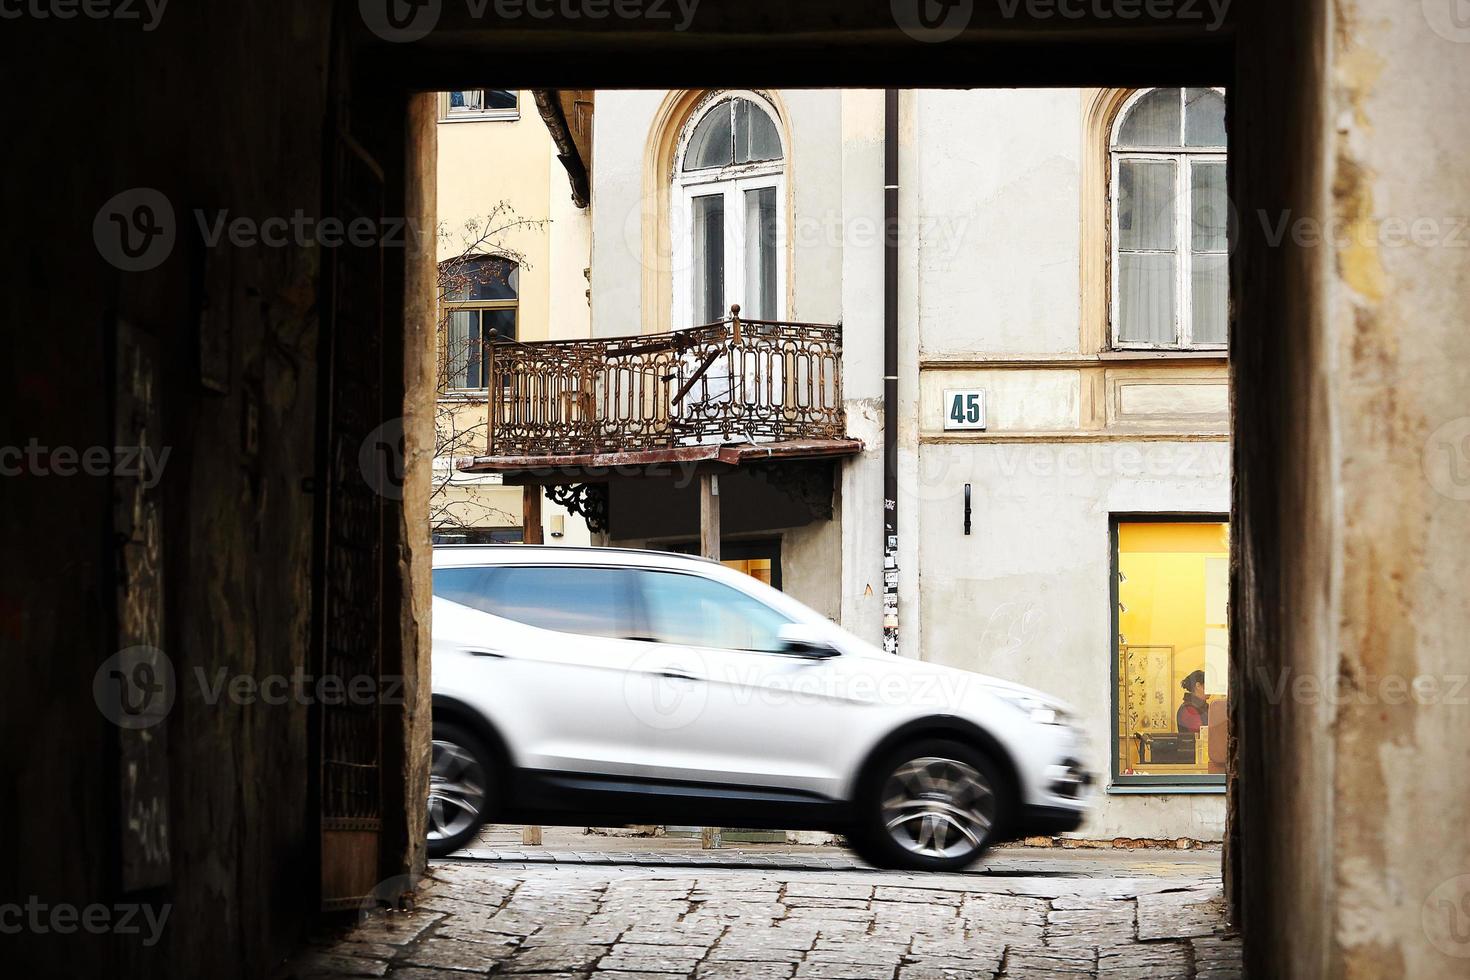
695	611
587	600
462	584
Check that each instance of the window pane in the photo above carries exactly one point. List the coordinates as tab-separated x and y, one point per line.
587	601
694	611
755	134
462	348
496	98
490	277
760	254
710	146
1209	280
502	321
1204	117
1173	643
1153	120
1147	195
1146	298
467	99
709	258
1210	207
462	585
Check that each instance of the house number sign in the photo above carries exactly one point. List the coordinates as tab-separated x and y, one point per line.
964	408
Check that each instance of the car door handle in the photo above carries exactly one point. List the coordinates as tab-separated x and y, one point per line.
677	675
494	654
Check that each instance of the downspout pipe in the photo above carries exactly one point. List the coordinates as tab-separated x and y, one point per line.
890	370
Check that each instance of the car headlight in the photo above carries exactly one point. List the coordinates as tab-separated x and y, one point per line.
1040	712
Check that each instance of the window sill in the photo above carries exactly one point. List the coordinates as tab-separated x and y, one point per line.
486	117
1150	353
1166	789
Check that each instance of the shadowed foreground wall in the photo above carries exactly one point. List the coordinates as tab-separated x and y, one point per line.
221	106
1352	509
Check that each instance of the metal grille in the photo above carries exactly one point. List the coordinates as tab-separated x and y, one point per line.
753	380
353	520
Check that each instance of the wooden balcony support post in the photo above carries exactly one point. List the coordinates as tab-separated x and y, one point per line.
531	514
709	516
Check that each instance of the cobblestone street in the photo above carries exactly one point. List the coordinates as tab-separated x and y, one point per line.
751	914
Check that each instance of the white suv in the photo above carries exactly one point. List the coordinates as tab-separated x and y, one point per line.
592	686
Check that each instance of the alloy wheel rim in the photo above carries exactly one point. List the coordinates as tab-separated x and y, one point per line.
456	790
938	808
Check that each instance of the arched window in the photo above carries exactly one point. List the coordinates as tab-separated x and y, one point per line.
480	295
1169	220
729	204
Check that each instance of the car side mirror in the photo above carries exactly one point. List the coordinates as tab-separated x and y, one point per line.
801	640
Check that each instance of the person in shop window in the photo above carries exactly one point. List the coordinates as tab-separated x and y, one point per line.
1194	711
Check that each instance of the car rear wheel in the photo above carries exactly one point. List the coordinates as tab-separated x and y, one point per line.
461	777
930	806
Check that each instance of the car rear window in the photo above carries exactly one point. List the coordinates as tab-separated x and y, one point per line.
587	600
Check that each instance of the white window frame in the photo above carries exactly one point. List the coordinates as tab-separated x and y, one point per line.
453	115
1183	159
731	182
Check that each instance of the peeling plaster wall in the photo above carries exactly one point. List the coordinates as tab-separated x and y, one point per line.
1351	564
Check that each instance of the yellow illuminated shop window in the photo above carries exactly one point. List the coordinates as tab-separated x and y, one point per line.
1173	644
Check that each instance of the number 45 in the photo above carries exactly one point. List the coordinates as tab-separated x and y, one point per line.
964	408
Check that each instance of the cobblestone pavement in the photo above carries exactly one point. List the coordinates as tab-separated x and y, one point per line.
656	916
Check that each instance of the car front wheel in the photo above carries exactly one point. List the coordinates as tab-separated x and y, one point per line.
460	774
930	806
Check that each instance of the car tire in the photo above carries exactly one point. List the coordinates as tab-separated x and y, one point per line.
929	805
462	777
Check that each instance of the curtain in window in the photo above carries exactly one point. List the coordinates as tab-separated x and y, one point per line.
464	349
1209	252
709	258
1146	251
760	253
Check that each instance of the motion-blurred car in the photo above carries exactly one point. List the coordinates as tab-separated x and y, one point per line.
599	687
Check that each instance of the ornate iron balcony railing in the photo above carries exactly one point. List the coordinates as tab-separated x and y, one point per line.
735	380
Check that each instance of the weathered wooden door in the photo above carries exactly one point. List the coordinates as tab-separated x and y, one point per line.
350	547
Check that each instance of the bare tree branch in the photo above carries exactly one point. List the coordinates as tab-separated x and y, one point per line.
459	430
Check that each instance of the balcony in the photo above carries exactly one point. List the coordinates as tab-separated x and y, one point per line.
736	382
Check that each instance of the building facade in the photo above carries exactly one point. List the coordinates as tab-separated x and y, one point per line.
1057	512
514	248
